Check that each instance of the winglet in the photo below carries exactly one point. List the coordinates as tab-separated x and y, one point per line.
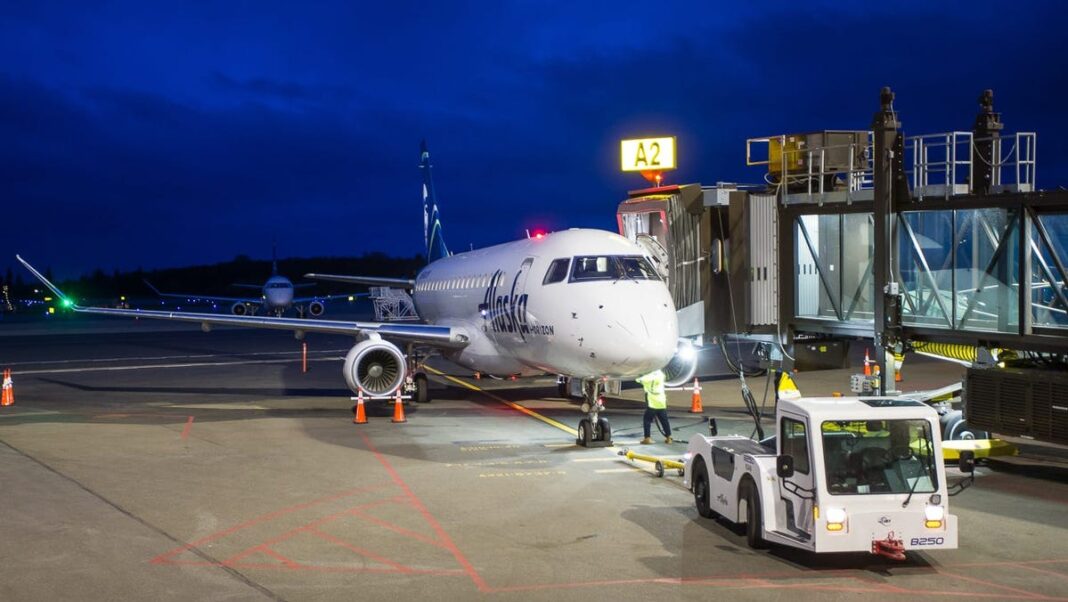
44	280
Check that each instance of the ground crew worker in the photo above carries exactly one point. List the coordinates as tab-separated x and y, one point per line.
655	405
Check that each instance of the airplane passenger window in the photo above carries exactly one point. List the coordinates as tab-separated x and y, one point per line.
638	268
557	270
596	267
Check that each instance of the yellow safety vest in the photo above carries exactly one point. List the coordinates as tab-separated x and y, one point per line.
653	383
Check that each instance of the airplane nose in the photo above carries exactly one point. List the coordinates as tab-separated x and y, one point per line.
647	337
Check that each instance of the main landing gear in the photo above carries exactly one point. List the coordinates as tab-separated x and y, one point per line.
593	431
416	383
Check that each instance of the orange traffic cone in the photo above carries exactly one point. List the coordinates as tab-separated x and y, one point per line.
695	400
867	363
361	414
899	359
398	409
8	398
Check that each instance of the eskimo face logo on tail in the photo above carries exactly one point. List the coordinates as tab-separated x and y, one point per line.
508	313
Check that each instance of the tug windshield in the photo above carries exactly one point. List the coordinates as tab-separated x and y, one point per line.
879	456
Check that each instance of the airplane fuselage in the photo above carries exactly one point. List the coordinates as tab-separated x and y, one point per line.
584	303
277	294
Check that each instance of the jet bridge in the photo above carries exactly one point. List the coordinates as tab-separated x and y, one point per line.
933	238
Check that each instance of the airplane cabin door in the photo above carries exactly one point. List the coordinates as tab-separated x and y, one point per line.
520	321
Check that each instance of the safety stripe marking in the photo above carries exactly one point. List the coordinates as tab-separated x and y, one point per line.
514	406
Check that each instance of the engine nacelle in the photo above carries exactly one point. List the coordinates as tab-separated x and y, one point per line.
316	309
239	309
683	365
375	367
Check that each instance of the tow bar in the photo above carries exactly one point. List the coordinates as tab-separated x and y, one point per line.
891	548
659	464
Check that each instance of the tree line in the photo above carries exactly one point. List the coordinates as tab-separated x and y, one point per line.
215	279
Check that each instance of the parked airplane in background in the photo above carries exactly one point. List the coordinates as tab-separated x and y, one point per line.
583	304
276	296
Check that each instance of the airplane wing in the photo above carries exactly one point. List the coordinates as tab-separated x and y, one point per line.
405	283
256	287
198	297
435	336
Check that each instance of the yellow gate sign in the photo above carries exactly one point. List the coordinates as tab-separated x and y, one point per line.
648	154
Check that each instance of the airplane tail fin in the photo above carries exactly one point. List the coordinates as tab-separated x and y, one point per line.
435	244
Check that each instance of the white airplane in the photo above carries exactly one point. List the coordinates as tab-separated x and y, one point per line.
276	296
586	305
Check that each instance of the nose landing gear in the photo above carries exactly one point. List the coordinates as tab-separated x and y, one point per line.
593	431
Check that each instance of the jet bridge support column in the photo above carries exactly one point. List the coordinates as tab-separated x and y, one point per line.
889	183
986	150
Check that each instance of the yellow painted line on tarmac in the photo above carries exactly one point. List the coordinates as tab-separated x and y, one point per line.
513	405
557	445
627	469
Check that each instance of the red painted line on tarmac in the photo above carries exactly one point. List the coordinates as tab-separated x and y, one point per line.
1036	569
361	551
166	556
188	427
398	529
1019	592
285	561
297	531
434	524
333	569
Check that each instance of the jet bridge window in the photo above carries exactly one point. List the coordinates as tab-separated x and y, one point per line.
557	270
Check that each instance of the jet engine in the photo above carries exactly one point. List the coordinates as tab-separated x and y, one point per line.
316	309
375	367
239	309
683	365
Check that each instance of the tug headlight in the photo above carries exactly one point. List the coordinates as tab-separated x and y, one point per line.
933	516
836	518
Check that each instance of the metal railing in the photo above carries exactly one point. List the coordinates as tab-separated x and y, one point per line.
808	175
941	163
392	304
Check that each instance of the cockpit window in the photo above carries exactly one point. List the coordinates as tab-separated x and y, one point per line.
638	268
612	267
596	267
557	270
278	285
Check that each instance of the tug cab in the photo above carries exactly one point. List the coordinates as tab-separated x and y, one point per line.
841	475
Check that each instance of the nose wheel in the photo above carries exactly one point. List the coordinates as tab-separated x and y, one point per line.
593	431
